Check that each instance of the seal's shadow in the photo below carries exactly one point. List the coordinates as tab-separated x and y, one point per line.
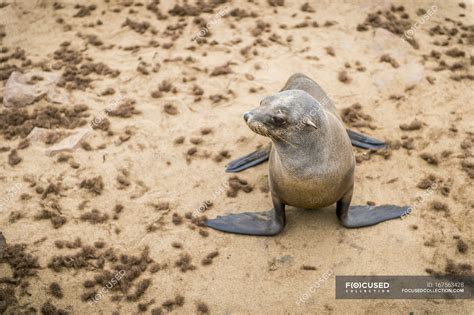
311	219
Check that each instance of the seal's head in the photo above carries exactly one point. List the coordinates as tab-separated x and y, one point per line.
286	116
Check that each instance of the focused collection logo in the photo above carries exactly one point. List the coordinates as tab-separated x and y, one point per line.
404	287
367	287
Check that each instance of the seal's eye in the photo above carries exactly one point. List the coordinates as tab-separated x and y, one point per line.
278	120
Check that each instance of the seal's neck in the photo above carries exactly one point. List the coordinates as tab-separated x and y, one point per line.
302	149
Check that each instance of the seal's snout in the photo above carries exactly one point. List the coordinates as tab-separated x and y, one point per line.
247	116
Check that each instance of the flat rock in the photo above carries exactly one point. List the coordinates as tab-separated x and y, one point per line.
18	92
69	143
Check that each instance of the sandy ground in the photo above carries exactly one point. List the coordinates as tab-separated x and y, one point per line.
146	180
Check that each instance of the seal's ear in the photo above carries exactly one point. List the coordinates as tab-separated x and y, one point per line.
309	122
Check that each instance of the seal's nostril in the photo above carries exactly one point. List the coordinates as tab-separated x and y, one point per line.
247	116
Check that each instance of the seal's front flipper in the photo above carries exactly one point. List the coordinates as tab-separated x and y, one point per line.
365	142
247	223
359	216
266	223
252	159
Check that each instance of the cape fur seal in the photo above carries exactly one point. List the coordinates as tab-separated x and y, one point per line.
311	161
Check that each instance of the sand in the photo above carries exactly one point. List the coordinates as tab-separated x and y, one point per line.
149	169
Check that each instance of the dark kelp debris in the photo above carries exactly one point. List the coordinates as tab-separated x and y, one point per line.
208	259
123	274
94	185
184	263
23	266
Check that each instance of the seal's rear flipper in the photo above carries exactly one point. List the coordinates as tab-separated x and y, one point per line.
365	142
359	216
252	159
